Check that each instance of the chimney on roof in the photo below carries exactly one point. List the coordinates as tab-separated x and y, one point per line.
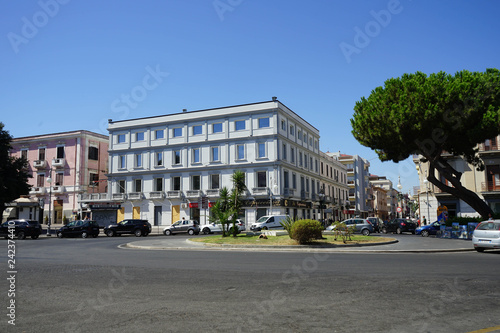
275	98
184	110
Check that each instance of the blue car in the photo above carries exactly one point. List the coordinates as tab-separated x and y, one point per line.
430	229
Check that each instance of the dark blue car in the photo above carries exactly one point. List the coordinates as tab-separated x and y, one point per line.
430	229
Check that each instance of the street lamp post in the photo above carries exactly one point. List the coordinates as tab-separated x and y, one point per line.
49	180
271	188
400	187
270	201
410	204
426	182
321	196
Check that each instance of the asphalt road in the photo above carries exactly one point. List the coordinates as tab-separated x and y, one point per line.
91	285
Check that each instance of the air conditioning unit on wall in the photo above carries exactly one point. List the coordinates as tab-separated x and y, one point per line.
184	205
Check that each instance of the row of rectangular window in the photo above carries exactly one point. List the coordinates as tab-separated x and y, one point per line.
195	156
261	177
93	153
261	182
239	125
59	177
299	134
175	185
302	158
333	173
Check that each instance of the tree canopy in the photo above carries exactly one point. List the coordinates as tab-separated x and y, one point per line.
13	172
431	114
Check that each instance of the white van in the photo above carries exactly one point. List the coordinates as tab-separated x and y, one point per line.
268	222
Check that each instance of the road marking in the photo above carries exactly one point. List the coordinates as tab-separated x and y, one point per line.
485	330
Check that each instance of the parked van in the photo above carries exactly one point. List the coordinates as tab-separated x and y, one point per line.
268	222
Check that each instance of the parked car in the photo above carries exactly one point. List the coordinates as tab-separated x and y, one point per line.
486	235
268	222
130	226
191	227
22	229
376	222
430	229
79	228
362	226
217	227
399	226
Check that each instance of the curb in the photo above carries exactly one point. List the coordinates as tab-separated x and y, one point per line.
288	248
292	246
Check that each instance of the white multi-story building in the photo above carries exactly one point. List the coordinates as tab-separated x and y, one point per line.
166	167
334	187
358	182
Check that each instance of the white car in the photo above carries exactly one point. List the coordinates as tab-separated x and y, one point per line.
487	235
217	227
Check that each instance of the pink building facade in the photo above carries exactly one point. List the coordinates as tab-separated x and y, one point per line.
64	166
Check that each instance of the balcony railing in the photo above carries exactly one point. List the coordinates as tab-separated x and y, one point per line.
39	164
119	196
491	147
288	192
174	194
304	195
260	191
156	195
213	193
193	194
490	186
57	189
58	162
37	190
135	196
94	196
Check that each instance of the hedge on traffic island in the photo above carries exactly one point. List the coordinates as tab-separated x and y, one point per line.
304	231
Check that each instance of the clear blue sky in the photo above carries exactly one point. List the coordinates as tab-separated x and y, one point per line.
66	65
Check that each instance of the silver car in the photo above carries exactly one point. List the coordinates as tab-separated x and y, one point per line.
363	226
191	227
487	235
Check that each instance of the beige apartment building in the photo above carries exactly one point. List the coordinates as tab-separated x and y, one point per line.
485	183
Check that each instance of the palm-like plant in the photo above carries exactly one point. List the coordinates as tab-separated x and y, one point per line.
239	188
227	207
221	211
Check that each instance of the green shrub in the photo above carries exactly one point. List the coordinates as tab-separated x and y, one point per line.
341	230
303	231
